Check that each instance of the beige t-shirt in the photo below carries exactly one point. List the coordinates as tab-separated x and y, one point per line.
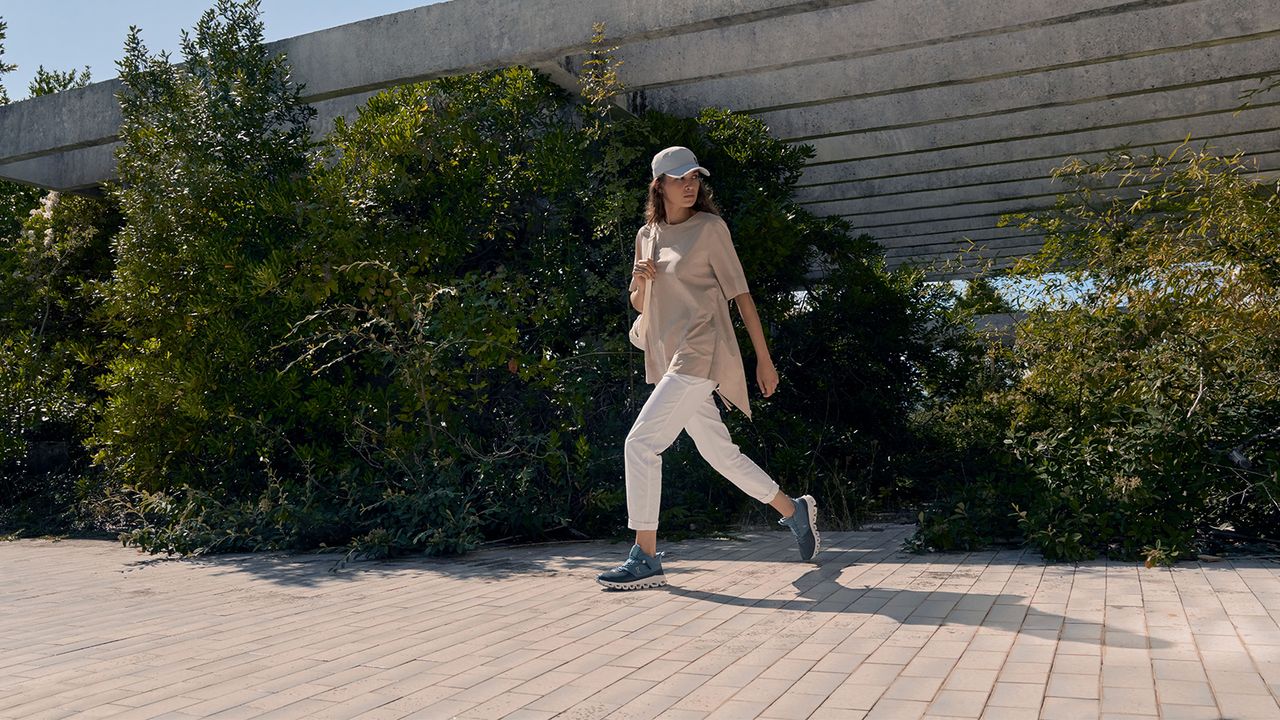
689	328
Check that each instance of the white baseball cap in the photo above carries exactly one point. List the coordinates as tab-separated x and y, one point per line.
677	162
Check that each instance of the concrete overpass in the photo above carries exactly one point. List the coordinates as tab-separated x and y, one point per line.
930	118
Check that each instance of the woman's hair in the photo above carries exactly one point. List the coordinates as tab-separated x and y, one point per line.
655	210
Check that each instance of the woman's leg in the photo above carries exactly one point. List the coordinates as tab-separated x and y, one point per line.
714	444
674	399
648	541
712	438
783	504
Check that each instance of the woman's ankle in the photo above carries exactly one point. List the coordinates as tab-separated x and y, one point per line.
783	503
647	540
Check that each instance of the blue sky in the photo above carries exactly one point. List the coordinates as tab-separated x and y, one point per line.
66	34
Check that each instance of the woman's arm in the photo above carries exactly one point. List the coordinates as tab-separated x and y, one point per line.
642	271
766	374
637	295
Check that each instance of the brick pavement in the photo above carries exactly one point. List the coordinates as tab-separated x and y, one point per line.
91	630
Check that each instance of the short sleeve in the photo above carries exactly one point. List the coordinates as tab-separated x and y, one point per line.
725	264
635	282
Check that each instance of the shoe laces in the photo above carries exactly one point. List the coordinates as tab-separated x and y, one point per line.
795	526
634	562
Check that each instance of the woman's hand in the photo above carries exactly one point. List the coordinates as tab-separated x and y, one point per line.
766	376
645	269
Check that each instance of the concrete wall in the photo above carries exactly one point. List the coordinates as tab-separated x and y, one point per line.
929	119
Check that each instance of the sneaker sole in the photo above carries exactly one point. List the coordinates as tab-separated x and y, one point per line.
813	524
636	585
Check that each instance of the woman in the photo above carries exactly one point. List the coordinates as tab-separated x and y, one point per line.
690	351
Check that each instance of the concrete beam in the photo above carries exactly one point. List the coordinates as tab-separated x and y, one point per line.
82	169
984	176
400	48
836	33
481	34
975	228
970	253
932	222
1150	77
929	120
1034	124
953	199
968	256
73	170
1223	132
71	119
913	234
968	268
964	244
951	238
892	65
952	269
957	198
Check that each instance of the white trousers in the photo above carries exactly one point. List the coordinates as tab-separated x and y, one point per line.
683	402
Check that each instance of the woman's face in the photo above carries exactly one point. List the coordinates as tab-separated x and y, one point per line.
681	192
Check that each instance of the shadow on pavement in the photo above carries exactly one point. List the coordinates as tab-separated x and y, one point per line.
821	593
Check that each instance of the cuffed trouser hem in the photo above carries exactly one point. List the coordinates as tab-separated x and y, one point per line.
683	402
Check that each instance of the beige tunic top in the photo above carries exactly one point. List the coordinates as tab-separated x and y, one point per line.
689	328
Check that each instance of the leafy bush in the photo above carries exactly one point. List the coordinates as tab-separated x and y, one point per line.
982	298
1170	354
211	164
410	336
1124	400
37	401
50	352
967	479
414	339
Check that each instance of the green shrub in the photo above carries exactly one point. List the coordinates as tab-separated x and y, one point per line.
411	336
960	473
982	298
211	165
1158	358
50	353
40	414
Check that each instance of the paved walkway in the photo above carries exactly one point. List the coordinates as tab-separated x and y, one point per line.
89	629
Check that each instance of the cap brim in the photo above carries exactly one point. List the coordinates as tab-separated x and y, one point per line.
686	169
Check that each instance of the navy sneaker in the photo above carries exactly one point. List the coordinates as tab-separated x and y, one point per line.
640	571
804	523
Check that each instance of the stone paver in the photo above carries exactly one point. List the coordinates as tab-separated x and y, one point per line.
89	629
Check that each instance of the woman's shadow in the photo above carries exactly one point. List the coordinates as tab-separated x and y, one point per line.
821	592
